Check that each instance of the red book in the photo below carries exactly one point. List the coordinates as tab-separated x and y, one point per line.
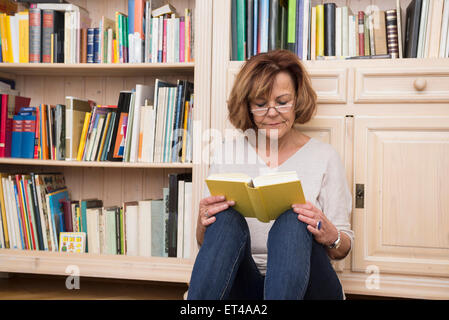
361	33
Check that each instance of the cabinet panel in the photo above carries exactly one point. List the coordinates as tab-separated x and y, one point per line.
404	225
417	85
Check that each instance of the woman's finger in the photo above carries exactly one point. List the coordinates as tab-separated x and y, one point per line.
306	212
307	220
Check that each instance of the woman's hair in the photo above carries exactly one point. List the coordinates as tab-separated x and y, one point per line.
256	80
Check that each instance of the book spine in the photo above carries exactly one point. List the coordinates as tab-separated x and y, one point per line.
28	132
291	29
90	45
17	127
48	28
361	32
96	47
35	35
392	33
329	29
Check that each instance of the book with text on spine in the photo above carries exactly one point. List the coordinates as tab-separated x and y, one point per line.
264	197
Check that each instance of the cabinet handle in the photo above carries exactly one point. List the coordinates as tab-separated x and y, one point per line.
420	84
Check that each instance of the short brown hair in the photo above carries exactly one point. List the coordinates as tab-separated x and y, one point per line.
256	79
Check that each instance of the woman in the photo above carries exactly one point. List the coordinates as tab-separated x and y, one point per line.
288	258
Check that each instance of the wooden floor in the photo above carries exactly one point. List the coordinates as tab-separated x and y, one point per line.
42	287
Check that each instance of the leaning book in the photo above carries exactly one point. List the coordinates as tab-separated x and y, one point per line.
264	197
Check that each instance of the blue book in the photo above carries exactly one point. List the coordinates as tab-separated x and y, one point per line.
56	212
256	26
22	239
178	121
28	136
16	136
131	17
264	21
97	45
90	45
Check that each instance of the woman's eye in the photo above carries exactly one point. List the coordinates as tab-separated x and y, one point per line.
260	105
282	103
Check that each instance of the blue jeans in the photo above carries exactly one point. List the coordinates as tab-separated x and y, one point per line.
297	268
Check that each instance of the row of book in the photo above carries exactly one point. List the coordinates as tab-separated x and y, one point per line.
64	33
131	131
37	213
326	31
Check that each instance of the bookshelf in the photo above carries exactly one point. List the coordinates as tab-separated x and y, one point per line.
389	121
114	182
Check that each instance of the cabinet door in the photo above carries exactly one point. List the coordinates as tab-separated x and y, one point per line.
403	224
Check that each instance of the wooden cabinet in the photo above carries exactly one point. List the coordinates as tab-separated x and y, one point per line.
389	121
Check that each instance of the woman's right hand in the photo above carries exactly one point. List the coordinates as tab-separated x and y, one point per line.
209	207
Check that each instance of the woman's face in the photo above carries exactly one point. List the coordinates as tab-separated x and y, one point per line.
274	121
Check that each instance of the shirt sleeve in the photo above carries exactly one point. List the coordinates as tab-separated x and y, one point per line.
335	198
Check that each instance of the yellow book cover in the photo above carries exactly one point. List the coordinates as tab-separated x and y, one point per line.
184	132
9	39
83	136
72	242
24	36
319	30
3	207
3	37
264	197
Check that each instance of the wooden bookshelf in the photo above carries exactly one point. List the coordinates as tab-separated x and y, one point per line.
115	182
94	69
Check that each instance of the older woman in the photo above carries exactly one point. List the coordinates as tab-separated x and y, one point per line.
288	258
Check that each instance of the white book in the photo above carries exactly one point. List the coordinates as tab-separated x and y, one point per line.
176	40
98	135
423	29
305	30
61	7
338	30
434	33
344	32
161	124
147	31
160	37
131	225
67	27
143	92
313	34
144	220
131	51
149	116
444	30
110	231
93	230
14	29
351	36
154	39
101	230
110	41
187	219
180	237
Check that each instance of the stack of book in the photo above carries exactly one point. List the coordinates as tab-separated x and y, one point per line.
38	214
326	31
64	33
134	130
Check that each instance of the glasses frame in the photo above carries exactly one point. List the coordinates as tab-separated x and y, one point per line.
266	109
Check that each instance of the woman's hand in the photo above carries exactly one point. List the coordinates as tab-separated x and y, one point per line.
327	233
209	207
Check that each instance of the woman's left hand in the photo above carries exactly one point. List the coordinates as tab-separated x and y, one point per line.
327	233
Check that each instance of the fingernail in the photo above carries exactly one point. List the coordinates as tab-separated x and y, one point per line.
231	203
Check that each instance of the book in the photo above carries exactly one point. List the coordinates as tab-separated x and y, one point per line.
392	33
72	242
54	207
380	32
329	29
413	17
264	197
361	33
76	110
165	9
157	228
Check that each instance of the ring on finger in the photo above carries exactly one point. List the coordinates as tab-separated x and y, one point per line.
318	225
206	214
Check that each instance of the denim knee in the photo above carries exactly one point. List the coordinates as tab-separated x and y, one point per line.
289	219
230	220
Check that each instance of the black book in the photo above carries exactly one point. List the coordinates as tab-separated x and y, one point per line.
250	28
37	216
122	108
173	180
329	29
274	25
413	17
234	30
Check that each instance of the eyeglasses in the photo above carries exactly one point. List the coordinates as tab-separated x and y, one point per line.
283	108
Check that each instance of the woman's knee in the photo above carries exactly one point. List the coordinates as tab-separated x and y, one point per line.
229	221
289	220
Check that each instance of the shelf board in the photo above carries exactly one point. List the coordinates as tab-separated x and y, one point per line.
96	69
104	164
96	265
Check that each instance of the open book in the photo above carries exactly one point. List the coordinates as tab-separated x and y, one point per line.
264	197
